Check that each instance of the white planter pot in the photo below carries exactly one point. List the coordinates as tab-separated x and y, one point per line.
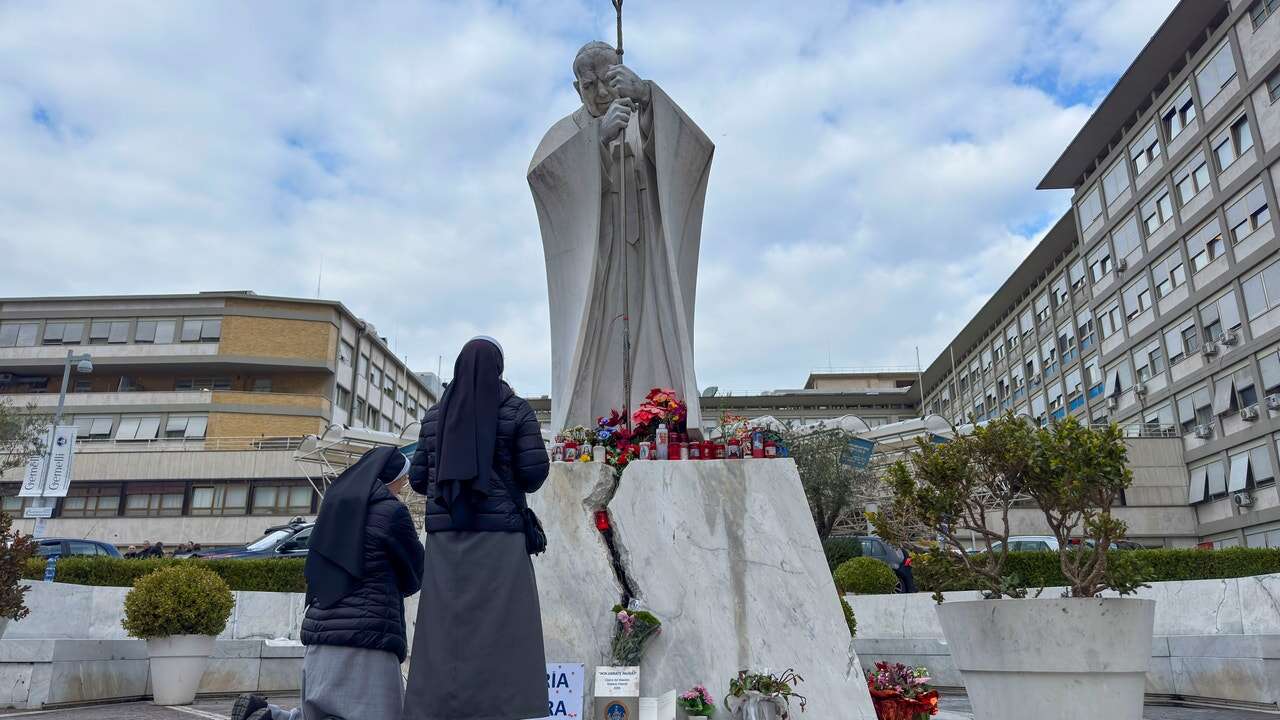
1052	659
177	665
755	706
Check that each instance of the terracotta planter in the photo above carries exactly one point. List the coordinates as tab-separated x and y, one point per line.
1052	659
891	705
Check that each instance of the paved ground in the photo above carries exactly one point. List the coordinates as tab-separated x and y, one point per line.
953	708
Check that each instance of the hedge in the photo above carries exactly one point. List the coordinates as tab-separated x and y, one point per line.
1043	569
272	575
865	576
839	550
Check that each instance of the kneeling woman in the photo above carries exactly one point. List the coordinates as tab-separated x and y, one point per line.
363	559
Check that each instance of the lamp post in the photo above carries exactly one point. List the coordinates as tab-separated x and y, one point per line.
84	364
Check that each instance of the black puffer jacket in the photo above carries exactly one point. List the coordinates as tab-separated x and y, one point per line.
372	616
520	466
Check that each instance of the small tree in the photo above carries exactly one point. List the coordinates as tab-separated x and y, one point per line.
832	488
15	550
1079	474
21	435
963	489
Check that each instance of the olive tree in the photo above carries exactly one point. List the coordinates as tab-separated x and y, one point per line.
21	435
832	488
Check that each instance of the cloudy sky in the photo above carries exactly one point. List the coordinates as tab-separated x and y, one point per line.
873	180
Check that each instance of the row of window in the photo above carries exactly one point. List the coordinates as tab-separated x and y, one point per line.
140	427
28	333
161	499
1242	469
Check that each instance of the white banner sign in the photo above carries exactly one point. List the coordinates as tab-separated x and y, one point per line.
63	440
564	690
31	486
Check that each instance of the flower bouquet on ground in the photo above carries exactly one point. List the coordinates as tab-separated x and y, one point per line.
696	702
634	629
763	696
902	692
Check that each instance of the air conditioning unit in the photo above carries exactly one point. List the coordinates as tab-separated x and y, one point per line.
1230	338
1122	264
1113	402
1249	413
1273	402
1204	432
1140	389
1242	499
1210	349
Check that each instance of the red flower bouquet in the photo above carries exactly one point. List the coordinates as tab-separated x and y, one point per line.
660	407
901	692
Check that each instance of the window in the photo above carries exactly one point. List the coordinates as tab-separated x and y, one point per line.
1159	421
1100	263
1116	181
1075	275
1037	409
1112	321
1245	387
1236	141
138	428
342	397
373	419
1033	370
1195	408
1084	321
219	499
93	427
114	332
1248	213
1049	353
1148	362
1157	210
1137	298
389	384
1120	379
1090	207
1075	392
18	334
1182	340
1093	376
1180	114
1273	86
1191	178
63	333
1042	308
82	386
1234	391
1169	274
1146	150
1028	327
1262	290
997	354
375	377
1066	343
346	351
204	384
1125	238
1011	338
1204	246
362	366
357	416
1216	73
411	406
1059	292
201	330
1055	399
1261	10
159	332
1220	316
282	500
91	501
154	499
190	427
261	385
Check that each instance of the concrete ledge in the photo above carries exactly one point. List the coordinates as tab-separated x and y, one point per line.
38	673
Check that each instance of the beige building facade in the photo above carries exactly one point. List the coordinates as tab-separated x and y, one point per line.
188	422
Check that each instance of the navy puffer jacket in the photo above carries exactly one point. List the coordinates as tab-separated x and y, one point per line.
520	465
372	616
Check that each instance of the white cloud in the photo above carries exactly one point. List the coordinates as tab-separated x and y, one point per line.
873	180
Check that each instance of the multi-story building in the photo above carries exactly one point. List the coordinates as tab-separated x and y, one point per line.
876	396
196	404
1155	302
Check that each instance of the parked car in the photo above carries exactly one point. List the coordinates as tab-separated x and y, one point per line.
281	541
1042	543
898	560
67	547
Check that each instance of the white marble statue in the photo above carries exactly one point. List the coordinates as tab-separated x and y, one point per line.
575	179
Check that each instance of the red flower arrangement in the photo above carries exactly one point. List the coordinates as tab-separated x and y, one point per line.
660	407
901	692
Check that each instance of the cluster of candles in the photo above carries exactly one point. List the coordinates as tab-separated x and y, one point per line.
672	446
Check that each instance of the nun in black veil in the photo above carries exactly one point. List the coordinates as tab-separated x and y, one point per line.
477	647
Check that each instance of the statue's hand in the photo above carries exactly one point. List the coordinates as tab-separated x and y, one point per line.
615	119
627	84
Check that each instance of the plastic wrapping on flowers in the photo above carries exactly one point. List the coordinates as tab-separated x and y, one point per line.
902	692
697	702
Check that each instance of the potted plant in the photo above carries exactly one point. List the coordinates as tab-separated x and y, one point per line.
902	692
178	610
1079	655
763	696
696	702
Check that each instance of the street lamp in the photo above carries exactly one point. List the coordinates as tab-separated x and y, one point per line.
84	364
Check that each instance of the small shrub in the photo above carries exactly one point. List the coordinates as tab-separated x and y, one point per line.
15	551
841	549
271	575
178	600
849	619
865	576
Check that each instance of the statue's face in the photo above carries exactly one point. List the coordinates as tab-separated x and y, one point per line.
592	87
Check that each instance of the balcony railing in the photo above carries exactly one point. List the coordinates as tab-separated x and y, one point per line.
189	444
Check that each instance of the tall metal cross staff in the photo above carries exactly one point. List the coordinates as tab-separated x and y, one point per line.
622	225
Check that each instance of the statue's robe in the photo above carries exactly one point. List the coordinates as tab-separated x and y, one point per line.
574	182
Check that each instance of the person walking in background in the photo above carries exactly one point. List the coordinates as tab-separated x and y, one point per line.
363	559
477	647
